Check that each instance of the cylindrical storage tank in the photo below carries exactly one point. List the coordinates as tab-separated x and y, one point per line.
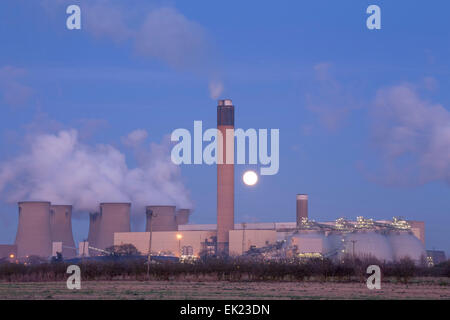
162	218
302	208
405	244
61	228
368	244
336	240
114	217
183	216
94	223
309	241
34	232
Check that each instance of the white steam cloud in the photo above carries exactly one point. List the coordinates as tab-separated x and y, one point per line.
61	169
215	89
412	135
162	33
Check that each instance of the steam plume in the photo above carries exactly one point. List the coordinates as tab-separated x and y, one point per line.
61	169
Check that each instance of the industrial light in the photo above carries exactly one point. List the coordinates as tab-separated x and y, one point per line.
179	236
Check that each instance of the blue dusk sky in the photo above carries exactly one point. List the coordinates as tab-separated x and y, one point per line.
364	115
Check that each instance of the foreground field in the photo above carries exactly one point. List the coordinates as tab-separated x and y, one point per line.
426	289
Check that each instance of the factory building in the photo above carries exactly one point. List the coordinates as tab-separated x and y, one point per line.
45	229
384	240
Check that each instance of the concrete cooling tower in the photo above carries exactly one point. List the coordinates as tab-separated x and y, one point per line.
405	244
162	218
61	228
34	231
114	217
182	216
368	244
94	223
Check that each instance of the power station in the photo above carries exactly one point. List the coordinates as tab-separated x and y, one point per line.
45	229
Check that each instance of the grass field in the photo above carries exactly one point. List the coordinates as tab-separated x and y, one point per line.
436	288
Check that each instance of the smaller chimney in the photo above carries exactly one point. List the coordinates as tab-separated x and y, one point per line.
302	208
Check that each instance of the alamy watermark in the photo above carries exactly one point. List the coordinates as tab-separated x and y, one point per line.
213	152
374	280
74	280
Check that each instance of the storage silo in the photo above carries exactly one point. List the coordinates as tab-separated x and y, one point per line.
162	218
61	228
182	216
368	243
114	217
336	241
405	244
34	232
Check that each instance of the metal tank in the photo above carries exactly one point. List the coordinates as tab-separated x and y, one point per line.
34	232
61	228
405	244
162	218
368	243
114	217
336	240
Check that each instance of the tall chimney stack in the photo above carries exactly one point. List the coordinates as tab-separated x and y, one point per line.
225	174
302	208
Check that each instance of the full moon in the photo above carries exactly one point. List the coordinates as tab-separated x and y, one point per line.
250	178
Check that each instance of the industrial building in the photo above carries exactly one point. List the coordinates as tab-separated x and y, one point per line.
45	229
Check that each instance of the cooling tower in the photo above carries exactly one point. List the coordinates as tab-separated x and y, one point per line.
406	245
34	232
182	216
163	218
114	217
94	223
225	174
302	208
61	228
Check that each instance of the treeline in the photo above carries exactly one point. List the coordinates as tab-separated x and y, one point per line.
223	269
